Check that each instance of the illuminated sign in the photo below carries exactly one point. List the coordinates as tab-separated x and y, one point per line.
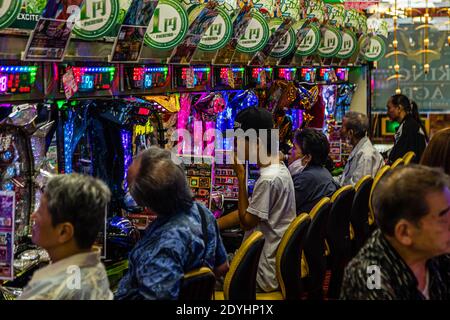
17	79
308	75
286	73
200	77
147	78
90	79
229	77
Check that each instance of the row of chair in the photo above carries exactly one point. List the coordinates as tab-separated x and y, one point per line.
325	239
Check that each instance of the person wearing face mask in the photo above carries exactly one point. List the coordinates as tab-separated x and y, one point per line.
364	158
411	134
312	181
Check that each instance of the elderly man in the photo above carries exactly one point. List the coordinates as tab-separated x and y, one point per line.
66	224
364	158
408	257
184	236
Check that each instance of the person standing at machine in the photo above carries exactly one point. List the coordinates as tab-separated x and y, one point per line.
66	224
364	158
272	206
411	134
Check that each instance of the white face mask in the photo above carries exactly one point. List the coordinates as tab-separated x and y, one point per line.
297	166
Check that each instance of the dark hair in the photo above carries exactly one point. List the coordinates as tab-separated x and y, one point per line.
437	153
82	201
401	195
314	143
160	184
357	122
410	107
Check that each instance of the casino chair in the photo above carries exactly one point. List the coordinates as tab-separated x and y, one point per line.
338	237
288	261
359	216
197	284
397	163
314	261
240	281
380	174
408	157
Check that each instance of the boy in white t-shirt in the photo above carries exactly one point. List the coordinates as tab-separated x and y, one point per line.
272	206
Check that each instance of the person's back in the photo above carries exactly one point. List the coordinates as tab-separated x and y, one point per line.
437	153
171	246
273	201
175	242
311	185
63	284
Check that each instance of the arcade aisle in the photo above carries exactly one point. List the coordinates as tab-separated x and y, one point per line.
85	86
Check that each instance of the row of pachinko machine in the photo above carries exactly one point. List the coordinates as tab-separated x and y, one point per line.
87	115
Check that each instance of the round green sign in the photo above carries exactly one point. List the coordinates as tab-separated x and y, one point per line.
375	50
256	35
330	43
310	42
218	34
286	44
97	18
9	9
168	26
349	44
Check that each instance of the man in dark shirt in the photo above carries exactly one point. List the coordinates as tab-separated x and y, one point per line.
175	242
407	258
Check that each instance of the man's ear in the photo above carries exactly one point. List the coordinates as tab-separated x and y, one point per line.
403	232
65	232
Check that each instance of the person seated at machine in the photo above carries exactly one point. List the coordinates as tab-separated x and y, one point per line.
312	181
364	158
408	257
272	206
437	153
66	224
184	236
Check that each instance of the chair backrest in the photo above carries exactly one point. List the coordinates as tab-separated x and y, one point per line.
288	259
397	163
338	226
380	174
408	157
314	247
359	217
338	237
197	284
240	281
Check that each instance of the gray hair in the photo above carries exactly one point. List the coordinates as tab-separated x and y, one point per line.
160	184
357	122
81	200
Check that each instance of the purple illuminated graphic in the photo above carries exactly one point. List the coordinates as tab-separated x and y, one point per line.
3	83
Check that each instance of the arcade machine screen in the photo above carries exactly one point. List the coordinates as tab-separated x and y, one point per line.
89	79
191	77
199	175
145	78
17	79
229	78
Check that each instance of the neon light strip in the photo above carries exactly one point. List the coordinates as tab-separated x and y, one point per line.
160	69
18	69
199	69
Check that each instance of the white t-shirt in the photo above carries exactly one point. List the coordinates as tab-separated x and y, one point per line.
273	201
